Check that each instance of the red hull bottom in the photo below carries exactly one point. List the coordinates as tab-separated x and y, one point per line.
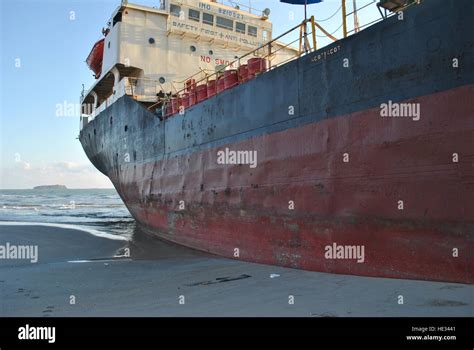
235	210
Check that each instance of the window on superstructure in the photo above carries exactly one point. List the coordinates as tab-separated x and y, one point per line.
175	10
252	31
240	27
224	23
207	18
194	15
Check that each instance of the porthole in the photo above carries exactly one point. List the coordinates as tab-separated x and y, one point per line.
162	80
211	52
151	40
192	48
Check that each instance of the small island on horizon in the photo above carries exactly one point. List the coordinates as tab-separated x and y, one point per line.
50	187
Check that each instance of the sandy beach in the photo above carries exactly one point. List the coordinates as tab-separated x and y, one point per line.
161	279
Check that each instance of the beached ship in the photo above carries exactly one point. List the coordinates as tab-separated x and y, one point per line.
354	158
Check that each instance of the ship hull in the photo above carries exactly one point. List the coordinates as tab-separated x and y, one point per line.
227	211
334	173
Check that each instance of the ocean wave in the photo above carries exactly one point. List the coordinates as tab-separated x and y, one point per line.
94	232
17	195
20	207
102	210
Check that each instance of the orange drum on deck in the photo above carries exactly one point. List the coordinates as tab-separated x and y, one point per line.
211	88
201	93
192	97
180	103
190	84
243	72
220	85
185	100
231	79
256	66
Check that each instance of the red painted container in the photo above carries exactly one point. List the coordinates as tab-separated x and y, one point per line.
190	84
180	104
256	66
185	100
201	93
243	72
231	79
211	88
220	85
192	98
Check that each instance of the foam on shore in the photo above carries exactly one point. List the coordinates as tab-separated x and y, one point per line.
66	226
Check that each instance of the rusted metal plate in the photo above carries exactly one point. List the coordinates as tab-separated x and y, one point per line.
157	164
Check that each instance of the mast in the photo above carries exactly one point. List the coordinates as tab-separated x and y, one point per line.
344	21
356	19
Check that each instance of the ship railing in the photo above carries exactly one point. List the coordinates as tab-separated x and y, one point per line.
148	89
306	42
158	96
90	112
395	5
202	75
266	51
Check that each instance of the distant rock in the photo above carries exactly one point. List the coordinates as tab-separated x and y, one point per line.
50	187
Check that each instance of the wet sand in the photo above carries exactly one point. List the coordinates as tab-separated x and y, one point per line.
159	275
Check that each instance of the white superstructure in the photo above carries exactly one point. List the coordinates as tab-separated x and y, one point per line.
153	49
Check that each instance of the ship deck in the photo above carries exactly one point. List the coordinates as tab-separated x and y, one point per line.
152	281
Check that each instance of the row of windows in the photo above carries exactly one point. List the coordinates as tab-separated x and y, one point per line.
221	22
